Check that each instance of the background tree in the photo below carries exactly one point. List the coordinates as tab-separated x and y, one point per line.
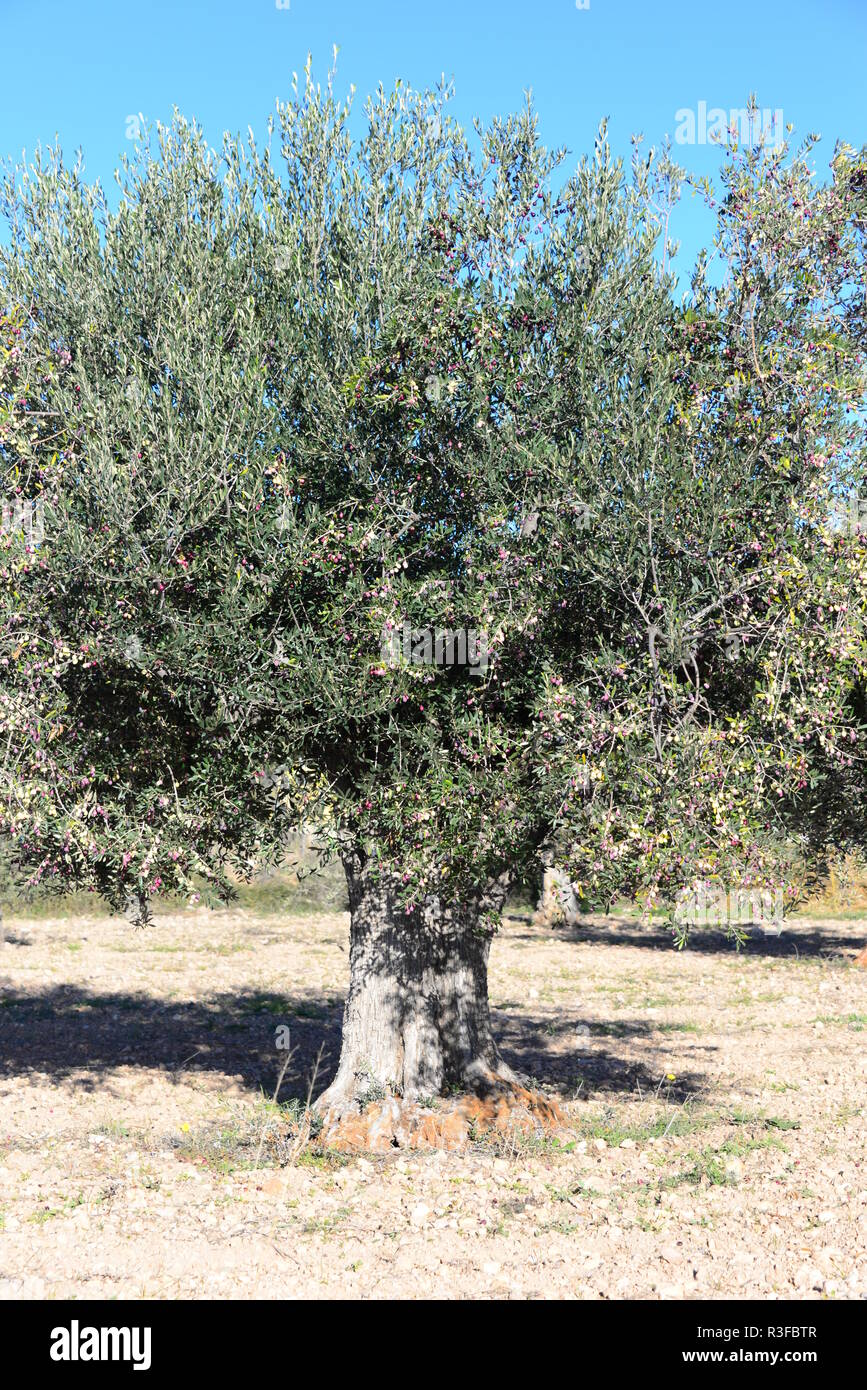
405	380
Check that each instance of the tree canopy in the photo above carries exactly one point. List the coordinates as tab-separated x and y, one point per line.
285	404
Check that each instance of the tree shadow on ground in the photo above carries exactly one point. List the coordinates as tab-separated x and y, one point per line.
77	1037
796	939
578	1058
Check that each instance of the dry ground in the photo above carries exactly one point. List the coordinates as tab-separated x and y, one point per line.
718	1101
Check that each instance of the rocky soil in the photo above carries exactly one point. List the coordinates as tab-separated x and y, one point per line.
716	1101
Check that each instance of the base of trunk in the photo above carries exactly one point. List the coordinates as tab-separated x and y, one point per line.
508	1114
861	958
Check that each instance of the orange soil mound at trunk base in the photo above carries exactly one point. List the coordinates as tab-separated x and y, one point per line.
394	1124
861	958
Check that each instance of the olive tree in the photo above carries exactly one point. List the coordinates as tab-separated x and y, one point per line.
390	489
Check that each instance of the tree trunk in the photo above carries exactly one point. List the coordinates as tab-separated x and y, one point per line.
137	909
416	1021
558	905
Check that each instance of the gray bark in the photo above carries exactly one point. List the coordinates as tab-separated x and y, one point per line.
416	1021
137	909
559	903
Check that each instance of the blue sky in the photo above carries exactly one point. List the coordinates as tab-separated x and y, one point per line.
82	69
